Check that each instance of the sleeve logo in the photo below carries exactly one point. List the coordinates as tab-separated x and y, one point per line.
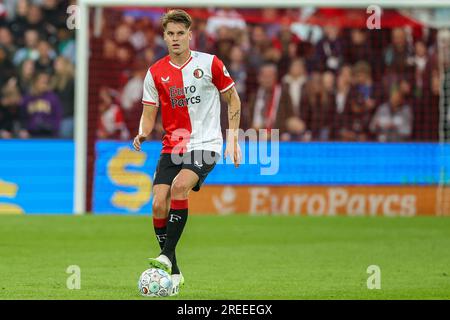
225	71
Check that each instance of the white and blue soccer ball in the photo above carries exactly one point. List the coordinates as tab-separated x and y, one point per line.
155	283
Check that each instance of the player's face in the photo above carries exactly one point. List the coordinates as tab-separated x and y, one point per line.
177	38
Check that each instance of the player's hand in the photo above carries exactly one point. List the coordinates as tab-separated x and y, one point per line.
138	141
233	150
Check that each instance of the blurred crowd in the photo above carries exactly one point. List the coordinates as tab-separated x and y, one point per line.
37	57
314	83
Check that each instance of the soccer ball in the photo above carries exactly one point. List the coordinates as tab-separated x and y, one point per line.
155	283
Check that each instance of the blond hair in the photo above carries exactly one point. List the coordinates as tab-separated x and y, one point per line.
61	79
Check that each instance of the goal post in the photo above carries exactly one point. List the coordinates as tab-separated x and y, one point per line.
81	108
82	65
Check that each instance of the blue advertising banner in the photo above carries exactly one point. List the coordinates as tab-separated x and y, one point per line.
36	176
123	177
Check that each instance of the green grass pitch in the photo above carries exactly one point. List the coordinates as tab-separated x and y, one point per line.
229	257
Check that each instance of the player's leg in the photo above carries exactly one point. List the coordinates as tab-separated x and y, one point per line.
196	166
165	173
160	209
178	213
177	277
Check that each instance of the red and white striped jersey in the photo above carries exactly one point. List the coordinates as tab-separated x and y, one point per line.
189	99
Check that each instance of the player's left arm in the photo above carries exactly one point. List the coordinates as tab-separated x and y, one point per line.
234	117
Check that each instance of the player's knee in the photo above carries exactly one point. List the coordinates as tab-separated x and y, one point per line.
179	189
159	208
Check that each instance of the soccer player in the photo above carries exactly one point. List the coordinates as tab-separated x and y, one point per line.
185	85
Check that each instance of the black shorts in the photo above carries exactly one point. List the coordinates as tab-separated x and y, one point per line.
199	161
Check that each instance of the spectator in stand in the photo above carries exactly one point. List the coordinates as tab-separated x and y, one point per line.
227	17
223	44
7	10
287	57
6	122
7	42
202	40
320	106
125	63
6	67
313	89
237	67
344	84
66	44
365	86
137	38
19	25
329	50
318	109
343	89
111	123
425	99
3	13
271	19
426	111
273	55
287	43
148	56
131	97
107	67
259	43
295	81
25	77
44	63
285	36
322	128
399	65
125	50
132	92
399	62
270	106
35	20
122	36
41	110
400	53
10	99
62	83
242	39
54	12
401	79
30	50
238	71
422	70
358	48
156	43
393	120
353	123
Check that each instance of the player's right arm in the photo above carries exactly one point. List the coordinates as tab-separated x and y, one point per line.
149	112
146	125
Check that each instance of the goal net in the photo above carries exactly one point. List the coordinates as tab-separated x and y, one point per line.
361	98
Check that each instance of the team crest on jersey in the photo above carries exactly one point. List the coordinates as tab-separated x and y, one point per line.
198	73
